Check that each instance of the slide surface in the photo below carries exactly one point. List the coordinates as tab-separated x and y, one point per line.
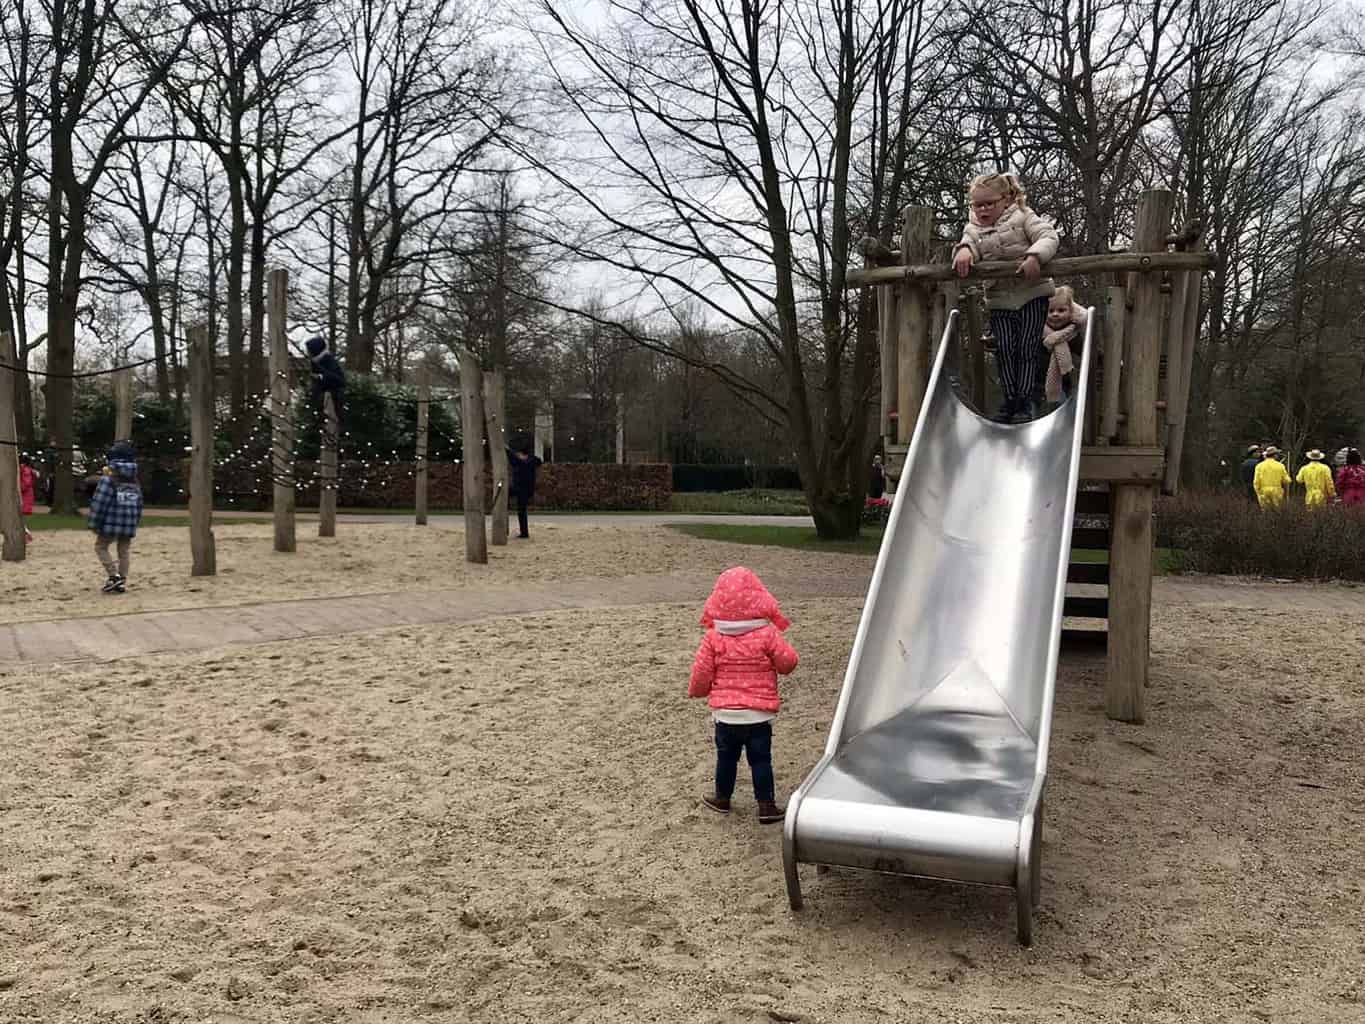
937	753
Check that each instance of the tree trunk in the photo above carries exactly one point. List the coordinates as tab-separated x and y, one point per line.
255	358
837	516
236	261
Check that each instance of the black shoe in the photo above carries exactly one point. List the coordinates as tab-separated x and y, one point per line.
113	585
719	804
121	585
523	536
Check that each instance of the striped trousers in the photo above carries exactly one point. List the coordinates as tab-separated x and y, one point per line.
1019	351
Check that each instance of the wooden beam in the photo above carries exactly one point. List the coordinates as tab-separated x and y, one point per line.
327	486
1066	266
203	554
11	508
1130	554
912	306
423	420
1118	464
471	437
281	421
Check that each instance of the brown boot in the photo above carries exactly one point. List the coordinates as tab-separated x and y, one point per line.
770	813
721	805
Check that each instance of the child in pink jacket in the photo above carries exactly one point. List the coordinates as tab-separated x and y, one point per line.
736	667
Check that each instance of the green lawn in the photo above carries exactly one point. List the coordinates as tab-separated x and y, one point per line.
804	537
751	502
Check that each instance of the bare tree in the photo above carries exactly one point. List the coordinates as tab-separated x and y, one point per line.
735	132
430	104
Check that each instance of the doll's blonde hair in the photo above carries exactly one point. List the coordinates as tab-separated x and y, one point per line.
1004	182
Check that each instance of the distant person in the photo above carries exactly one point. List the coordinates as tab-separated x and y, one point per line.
523	465
1316	480
1351	479
1271	480
28	478
115	512
328	376
876	483
1247	470
736	669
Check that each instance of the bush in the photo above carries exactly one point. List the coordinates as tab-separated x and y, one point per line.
1228	534
876	511
689	478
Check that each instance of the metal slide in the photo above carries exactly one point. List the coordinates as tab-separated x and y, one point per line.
937	754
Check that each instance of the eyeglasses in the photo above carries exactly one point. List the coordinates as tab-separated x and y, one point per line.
986	204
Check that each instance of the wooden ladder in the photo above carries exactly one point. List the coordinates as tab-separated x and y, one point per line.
1086	609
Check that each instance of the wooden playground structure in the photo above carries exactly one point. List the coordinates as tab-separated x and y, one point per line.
1148	306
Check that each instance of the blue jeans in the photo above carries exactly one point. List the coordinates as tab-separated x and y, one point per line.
757	742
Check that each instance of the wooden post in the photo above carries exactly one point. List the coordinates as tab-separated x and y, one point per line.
203	554
1130	553
1115	312
494	411
281	423
471	409
974	325
1179	401
11	511
327	486
913	345
423	419
123	405
886	330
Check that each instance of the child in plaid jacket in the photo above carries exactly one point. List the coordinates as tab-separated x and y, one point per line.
115	512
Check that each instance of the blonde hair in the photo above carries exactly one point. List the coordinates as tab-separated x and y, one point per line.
1004	182
1064	294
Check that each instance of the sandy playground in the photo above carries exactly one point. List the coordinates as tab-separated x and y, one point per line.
498	821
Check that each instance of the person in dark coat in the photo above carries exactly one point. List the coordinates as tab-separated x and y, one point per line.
328	376
1248	471
522	466
876	484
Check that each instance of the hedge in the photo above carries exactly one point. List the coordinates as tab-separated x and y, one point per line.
606	487
689	477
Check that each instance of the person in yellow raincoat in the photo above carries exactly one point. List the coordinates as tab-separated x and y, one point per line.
1316	479
1271	480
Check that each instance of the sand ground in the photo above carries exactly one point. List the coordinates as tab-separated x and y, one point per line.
498	822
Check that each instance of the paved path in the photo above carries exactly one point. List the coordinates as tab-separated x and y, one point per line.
194	629
112	637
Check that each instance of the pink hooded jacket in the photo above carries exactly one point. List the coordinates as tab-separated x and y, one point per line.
743	652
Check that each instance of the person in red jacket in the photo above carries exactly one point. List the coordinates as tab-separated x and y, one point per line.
736	668
1351	479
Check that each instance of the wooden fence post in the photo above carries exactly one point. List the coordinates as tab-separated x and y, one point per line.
281	419
974	327
1115	318
203	554
328	485
1130	553
471	429
11	514
123	405
423	427
886	330
494	411
1179	402
913	345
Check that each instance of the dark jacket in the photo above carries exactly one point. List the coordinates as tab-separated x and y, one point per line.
523	474
327	372
876	483
1248	474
